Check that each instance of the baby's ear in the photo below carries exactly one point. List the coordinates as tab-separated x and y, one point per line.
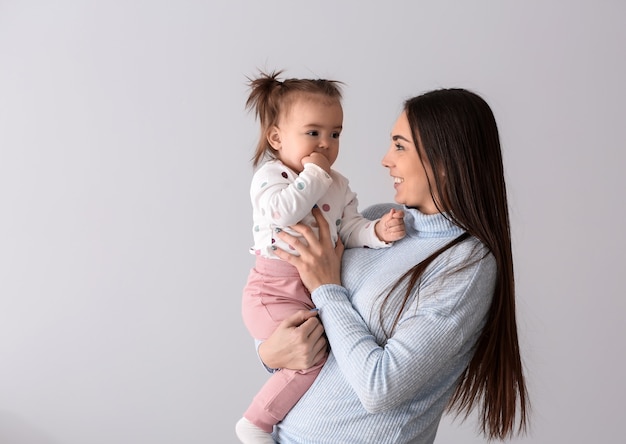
273	137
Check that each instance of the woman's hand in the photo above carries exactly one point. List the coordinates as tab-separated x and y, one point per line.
319	261
297	344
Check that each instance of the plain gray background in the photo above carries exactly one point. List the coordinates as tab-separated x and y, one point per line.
125	218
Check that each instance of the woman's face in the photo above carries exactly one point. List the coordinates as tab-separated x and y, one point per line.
405	167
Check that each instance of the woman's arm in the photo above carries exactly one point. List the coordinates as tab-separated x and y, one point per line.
430	345
425	354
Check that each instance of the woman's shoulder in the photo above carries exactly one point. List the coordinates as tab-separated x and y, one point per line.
379	210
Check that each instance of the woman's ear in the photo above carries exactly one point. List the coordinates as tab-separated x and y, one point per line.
273	137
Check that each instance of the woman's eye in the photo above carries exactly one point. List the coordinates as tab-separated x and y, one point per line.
399	147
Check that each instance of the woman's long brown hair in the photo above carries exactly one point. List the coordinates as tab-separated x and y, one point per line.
458	137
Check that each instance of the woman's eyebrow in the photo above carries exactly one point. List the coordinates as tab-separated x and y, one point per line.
396	137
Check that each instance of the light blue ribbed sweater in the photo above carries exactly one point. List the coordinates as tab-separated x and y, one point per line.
394	391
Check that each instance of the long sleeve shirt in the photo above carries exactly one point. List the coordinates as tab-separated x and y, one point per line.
281	198
379	389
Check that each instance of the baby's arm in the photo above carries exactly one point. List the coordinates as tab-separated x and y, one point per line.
357	230
390	227
286	198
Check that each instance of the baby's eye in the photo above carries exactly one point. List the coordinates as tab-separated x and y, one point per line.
336	135
313	133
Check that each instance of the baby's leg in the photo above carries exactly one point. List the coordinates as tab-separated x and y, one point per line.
279	394
273	292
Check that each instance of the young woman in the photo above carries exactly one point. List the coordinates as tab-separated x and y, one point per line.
428	325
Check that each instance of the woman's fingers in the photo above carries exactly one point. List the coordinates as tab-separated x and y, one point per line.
318	260
282	254
312	241
299	320
322	224
339	249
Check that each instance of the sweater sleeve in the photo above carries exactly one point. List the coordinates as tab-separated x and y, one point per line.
427	337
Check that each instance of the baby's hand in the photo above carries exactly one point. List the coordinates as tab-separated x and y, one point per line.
390	227
318	159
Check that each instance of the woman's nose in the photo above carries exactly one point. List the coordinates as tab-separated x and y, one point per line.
385	160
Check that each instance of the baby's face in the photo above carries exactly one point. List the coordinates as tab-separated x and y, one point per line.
312	125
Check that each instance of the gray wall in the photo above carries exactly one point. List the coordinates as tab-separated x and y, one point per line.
125	219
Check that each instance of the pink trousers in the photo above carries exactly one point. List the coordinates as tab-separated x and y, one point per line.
273	292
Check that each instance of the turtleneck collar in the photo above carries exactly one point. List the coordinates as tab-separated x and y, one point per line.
419	224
